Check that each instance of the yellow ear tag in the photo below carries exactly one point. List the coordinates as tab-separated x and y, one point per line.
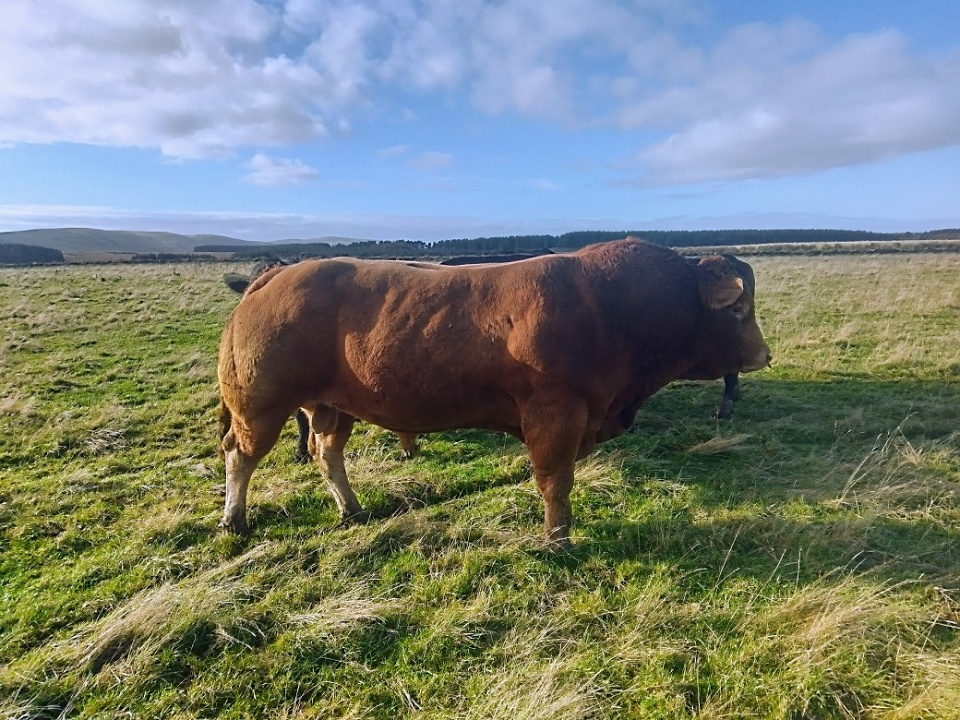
718	283
724	293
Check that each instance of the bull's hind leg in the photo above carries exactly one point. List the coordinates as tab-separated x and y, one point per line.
244	446
332	430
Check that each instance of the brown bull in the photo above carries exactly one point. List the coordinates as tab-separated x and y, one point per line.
559	351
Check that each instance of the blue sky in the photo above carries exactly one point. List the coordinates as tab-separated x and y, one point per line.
432	119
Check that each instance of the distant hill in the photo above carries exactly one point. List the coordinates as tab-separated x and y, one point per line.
91	240
88	240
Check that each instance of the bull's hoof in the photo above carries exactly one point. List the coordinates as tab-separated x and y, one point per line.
234	526
560	545
302	457
725	412
361	517
558	537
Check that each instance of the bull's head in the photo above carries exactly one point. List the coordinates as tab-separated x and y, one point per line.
730	339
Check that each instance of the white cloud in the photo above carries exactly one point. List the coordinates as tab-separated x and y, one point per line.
207	79
192	79
799	106
269	172
214	78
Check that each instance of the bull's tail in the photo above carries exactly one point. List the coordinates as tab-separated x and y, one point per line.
225	421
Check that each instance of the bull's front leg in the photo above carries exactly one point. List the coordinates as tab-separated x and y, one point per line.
555	489
553	441
239	469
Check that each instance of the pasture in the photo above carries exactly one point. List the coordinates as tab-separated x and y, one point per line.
799	561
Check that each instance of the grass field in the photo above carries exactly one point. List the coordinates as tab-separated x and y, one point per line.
801	561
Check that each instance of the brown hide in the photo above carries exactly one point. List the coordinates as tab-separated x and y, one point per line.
559	351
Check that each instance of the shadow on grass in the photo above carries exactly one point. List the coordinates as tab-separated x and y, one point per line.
804	441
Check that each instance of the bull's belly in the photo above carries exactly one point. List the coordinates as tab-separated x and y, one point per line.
404	412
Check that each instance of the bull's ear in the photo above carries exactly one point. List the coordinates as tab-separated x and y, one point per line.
718	282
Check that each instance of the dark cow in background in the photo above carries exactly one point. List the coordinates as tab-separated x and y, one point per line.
480	259
559	351
731	381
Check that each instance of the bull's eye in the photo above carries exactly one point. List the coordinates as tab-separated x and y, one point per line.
739	311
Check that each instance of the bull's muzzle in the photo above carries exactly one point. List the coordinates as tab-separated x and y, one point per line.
760	361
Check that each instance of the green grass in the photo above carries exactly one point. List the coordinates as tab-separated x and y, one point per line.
801	561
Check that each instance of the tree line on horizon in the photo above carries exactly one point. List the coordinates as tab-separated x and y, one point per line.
509	244
19	254
23	254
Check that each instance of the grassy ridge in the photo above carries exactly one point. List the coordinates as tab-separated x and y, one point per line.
801	561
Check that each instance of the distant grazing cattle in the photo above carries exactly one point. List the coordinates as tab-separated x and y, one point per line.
731	381
559	351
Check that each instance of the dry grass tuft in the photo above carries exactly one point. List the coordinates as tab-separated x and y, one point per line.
337	613
104	440
544	692
900	476
153	619
19	404
534	687
719	444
